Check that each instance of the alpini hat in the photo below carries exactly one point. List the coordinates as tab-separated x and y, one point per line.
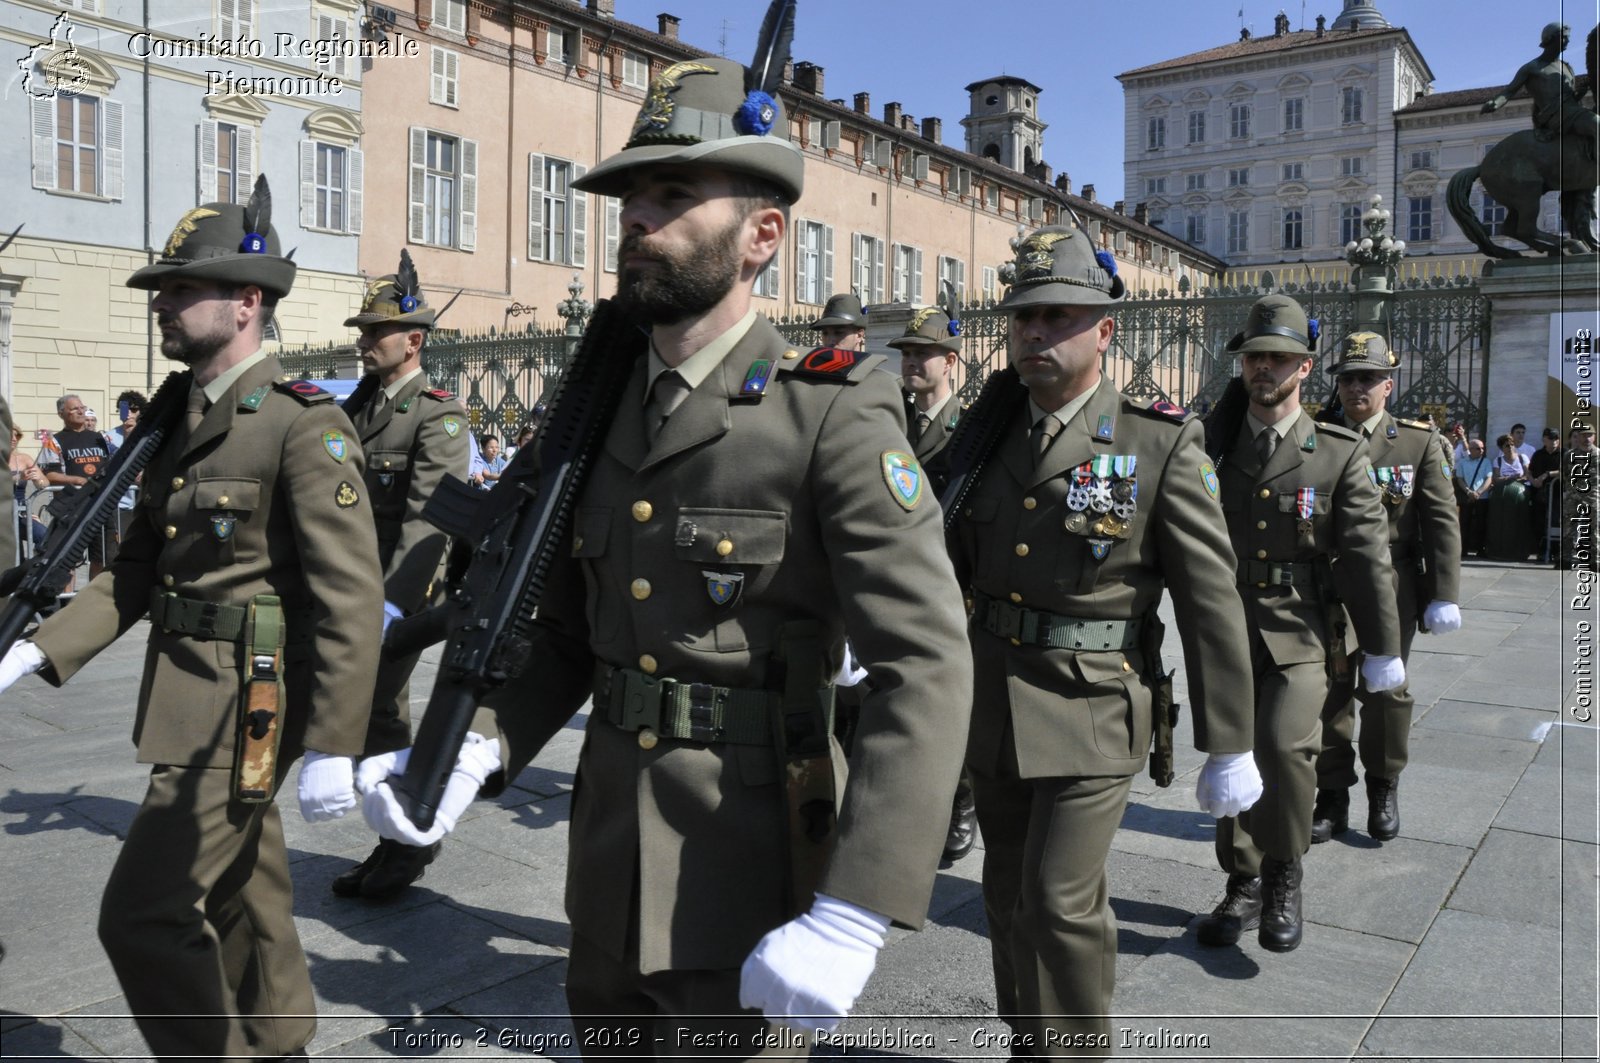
934	326
1058	265
225	243
1362	351
1277	323
842	311
714	112
395	299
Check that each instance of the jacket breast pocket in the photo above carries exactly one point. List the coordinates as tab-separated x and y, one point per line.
388	478
591	537
1289	504
734	552
977	533
227	507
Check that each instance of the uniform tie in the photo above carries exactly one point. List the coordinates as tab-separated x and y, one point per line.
1266	445
196	410
380	399
1044	433
666	396
919	426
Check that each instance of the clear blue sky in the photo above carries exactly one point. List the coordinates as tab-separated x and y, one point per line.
923	52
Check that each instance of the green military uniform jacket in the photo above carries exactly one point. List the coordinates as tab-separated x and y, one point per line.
1088	713
1346	518
264	497
1413	470
411	442
788	491
932	447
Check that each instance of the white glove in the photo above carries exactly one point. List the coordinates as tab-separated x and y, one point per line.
327	786
1383	673
850	671
1442	618
391	613
1228	784
24	659
478	760
808	972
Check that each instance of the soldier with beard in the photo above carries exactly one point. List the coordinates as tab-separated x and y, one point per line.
252	549
703	601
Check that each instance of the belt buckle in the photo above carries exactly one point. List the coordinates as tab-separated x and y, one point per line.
263	667
1005	619
703	713
641	699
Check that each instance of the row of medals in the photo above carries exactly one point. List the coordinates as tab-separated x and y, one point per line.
1103	496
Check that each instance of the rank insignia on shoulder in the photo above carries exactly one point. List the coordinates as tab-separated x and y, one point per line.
304	390
723	587
333	443
755	381
828	363
1169	409
1208	477
438	393
904	477
452	426
346	496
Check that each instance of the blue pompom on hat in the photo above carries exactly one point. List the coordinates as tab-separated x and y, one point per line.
1107	263
756	114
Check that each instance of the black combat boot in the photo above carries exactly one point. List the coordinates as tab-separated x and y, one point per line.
963	824
398	867
1383	808
1281	923
349	883
1239	911
1331	816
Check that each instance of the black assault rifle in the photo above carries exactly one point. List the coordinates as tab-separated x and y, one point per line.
80	517
513	533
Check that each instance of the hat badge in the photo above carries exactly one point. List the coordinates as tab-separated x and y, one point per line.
920	318
1037	256
656	114
186	227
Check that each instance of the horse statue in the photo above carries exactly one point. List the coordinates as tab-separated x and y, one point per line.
1553	157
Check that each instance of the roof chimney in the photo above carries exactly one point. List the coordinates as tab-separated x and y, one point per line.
1120	206
863	103
808	78
603	8
891	114
1244	33
1141	213
1088	192
1280	25
1064	182
1322	25
667	25
932	129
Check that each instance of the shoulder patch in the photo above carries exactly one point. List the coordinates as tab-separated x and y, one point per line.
832	363
1409	423
1160	408
438	394
304	390
904	477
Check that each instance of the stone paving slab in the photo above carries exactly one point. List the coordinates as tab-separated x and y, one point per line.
1394	889
1455	784
527	1014
1514	877
1553	802
1493	720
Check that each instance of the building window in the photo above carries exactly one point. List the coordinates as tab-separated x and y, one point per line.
330	187
446	79
635	70
612	207
1293	230
77	145
767	279
226	153
236	19
1349	222
1350	166
954	272
1422	160
990	278
1238	232
1239	177
813	262
866	267
1155	134
339	31
907	274
558	49
1350	105
1419	219
450	15
1294	171
1194	229
1197	127
1493	215
1194	182
558	214
1294	115
443	190
1239	121
1155	186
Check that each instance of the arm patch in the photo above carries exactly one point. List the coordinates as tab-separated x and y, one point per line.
438	394
304	390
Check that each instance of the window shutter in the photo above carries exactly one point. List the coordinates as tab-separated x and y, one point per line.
111	157
308	184
244	16
469	195
436	77
227	20
800	260
44	142
876	294
452	78
245	141
205	148
916	274
827	260
354	178
613	208
418	190
535	207
856	271
580	218
769	278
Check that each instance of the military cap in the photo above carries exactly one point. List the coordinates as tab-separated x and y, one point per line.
930	327
1058	265
1363	351
700	112
395	299
842	311
1277	323
224	243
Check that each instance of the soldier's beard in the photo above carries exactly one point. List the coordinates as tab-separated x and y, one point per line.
194	348
1268	394
684	284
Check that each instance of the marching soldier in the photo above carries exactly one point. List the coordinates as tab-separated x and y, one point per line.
702	600
1414	475
843	323
1088	506
413	434
253	551
1294	492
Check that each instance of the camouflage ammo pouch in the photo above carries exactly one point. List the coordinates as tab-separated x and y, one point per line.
255	750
